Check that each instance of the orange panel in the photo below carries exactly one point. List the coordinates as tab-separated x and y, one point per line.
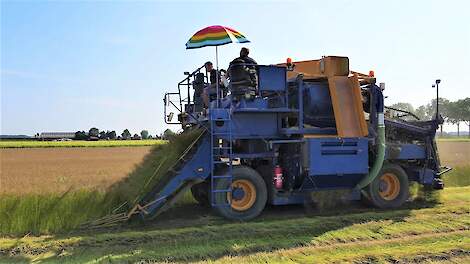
357	96
327	66
347	106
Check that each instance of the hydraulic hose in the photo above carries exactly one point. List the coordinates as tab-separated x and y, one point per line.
379	158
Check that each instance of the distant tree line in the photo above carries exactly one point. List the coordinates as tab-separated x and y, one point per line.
453	112
95	134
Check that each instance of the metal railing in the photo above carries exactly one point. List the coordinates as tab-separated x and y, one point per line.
179	101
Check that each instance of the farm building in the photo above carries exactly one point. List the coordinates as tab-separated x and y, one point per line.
56	135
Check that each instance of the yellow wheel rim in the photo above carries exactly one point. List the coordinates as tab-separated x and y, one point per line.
389	186
249	197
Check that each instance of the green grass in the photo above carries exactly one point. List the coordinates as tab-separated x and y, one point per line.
458	176
51	213
79	143
414	233
56	213
414	249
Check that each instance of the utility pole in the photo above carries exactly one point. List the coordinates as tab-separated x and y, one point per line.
436	85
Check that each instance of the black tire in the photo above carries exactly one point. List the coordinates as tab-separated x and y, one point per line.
246	175
200	193
390	189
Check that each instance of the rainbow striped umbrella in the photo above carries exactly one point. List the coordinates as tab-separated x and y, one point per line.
215	36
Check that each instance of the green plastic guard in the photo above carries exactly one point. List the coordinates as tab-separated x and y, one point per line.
379	159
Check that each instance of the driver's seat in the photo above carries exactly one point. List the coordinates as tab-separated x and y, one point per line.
243	80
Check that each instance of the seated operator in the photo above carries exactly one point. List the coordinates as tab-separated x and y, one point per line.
248	61
210	91
242	73
244	52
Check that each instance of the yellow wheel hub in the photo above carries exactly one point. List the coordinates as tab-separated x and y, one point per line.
249	195
389	186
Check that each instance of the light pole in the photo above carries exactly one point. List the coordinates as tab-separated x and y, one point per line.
438	81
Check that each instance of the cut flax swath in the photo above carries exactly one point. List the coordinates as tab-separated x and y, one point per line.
150	173
167	158
104	222
84	208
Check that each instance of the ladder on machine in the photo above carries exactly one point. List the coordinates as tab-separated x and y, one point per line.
221	153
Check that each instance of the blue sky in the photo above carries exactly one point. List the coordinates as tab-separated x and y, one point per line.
69	65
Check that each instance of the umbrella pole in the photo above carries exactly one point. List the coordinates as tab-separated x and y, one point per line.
217	75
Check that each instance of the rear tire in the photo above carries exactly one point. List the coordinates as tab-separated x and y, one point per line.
200	193
251	203
390	189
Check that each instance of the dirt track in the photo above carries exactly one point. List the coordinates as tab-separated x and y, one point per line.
36	170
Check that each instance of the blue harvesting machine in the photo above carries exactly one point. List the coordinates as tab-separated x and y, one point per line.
276	134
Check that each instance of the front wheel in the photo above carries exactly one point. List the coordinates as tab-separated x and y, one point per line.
248	197
390	189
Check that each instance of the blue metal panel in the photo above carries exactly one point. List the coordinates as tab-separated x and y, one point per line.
310	131
338	156
405	151
272	78
218	113
426	176
253	124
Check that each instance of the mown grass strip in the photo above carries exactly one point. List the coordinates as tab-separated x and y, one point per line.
179	249
237	239
79	143
417	247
